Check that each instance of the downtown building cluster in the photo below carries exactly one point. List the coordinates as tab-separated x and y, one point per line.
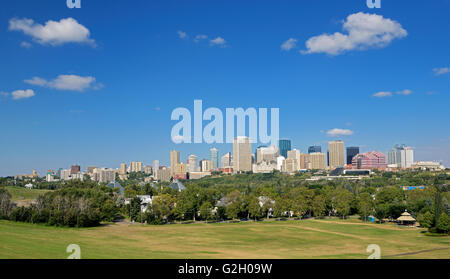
265	159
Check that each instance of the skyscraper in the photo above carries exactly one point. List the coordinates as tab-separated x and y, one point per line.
266	154
242	157
295	154
227	160
123	168
314	149
214	157
317	161
351	152
174	160
336	155
401	155
285	146
155	165
136	166
192	163
75	169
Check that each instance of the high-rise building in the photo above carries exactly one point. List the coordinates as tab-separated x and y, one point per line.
106	175
351	152
64	174
214	157
163	174
148	170
180	171
402	156
305	161
290	165
90	170
295	154
136	167
192	165
266	154
336	155
317	161
174	160
227	160
206	165
314	149
285	146
155	165
75	169
123	169
369	160
242	154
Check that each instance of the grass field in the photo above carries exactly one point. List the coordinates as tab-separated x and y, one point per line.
23	196
330	238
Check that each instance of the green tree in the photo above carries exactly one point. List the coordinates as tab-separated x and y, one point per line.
365	205
206	210
342	201
381	211
319	205
254	209
6	204
426	220
443	223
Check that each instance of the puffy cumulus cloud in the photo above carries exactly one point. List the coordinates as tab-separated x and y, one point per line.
339	132
54	33
383	94
67	82
22	94
363	31
182	35
289	44
441	71
219	41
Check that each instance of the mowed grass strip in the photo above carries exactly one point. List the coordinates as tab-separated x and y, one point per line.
328	238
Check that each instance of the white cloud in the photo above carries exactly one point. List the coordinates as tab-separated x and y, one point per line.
289	44
182	35
67	30
200	37
405	92
441	71
382	94
363	31
67	82
339	132
218	41
22	94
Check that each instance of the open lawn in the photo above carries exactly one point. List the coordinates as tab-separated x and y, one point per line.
23	196
328	238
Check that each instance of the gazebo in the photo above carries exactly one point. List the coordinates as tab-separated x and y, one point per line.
406	219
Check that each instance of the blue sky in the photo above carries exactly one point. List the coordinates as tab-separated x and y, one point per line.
97	86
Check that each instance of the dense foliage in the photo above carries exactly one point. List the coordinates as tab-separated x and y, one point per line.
75	205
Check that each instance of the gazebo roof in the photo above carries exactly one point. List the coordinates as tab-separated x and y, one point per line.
406	217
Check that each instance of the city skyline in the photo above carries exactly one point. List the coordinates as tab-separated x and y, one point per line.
400	155
105	96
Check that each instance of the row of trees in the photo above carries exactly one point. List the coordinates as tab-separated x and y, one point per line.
258	196
77	205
